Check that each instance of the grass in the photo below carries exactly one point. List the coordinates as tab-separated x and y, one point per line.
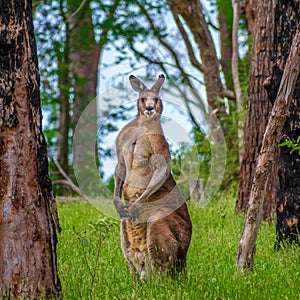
91	264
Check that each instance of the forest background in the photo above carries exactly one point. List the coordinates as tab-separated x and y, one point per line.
221	61
80	44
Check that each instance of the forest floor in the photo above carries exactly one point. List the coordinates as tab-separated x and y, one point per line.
91	264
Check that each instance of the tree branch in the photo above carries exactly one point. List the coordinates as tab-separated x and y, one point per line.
189	47
76	11
68	181
166	45
228	94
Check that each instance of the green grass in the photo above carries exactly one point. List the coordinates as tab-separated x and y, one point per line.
91	264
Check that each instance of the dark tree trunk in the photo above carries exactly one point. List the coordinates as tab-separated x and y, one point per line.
27	206
258	109
64	82
267	155
225	15
287	20
64	119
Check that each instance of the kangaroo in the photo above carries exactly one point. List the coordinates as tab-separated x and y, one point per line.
156	228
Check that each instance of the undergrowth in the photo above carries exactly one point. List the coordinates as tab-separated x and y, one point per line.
91	264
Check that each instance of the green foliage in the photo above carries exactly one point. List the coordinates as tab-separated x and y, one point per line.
197	157
110	184
91	264
293	145
232	142
191	161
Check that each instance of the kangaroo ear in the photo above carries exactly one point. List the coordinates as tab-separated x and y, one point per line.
136	84
157	85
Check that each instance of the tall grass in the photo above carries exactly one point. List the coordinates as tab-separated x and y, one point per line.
91	264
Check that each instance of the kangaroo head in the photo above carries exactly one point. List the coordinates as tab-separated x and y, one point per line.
149	102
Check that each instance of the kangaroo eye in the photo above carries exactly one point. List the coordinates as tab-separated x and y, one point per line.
156	100
143	100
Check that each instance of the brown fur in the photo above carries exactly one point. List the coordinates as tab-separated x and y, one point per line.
156	227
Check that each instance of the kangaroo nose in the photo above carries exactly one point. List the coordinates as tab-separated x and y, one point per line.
149	108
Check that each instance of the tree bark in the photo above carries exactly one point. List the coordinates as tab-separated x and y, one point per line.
28	215
287	16
258	109
280	111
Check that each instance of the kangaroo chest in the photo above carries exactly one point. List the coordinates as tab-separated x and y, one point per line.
137	148
137	155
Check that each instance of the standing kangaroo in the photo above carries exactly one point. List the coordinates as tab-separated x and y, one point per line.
156	228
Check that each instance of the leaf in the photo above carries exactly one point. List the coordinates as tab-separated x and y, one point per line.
289	144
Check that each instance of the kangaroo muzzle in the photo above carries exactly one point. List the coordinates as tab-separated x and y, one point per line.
150	106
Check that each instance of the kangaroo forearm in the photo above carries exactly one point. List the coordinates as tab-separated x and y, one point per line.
159	177
117	188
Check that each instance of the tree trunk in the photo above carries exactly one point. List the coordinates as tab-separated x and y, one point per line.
235	74
64	83
84	57
287	20
258	109
225	15
64	117
249	8
28	212
280	111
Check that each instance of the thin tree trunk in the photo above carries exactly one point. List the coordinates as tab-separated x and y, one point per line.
64	118
225	28
28	212
247	244
258	110
235	73
64	81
